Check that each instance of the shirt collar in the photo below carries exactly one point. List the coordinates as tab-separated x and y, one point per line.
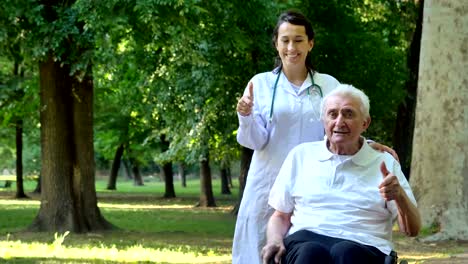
361	158
286	85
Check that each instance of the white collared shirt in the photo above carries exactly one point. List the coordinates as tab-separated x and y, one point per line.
338	198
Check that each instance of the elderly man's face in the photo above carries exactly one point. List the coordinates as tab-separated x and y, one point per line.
343	120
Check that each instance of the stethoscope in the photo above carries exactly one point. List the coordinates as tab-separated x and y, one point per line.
314	85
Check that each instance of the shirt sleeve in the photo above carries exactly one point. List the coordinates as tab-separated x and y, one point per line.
252	132
280	195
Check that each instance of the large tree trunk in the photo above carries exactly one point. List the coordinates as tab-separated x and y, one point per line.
246	158
206	189
68	198
111	184
167	171
404	128
440	154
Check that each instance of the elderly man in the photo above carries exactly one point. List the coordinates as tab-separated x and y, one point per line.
336	200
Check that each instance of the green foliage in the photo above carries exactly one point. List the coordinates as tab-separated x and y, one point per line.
364	43
176	68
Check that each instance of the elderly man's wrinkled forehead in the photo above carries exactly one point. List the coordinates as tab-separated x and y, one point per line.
345	92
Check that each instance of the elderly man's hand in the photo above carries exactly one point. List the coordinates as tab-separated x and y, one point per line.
389	188
273	250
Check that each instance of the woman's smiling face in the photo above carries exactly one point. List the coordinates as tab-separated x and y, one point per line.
293	44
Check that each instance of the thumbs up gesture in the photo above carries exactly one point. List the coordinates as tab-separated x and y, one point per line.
245	103
389	188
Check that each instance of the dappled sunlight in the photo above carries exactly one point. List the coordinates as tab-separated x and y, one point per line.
19	202
137	253
418	257
133	206
160	206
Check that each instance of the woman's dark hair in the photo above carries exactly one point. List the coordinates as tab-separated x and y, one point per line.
296	18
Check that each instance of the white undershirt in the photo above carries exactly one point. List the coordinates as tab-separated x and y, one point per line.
295	87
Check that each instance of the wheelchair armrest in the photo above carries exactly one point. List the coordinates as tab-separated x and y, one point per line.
392	258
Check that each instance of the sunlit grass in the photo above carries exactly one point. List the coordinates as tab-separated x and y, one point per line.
10	250
150	229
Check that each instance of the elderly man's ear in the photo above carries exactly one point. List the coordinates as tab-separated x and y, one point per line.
366	124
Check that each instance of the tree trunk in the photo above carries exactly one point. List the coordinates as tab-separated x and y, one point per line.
111	185
19	160
168	180
224	181
38	185
246	158
404	128
229	177
206	189
182	174
17	71
68	198
137	179
167	171
440	161
128	171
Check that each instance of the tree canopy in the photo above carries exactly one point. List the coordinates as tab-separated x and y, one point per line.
176	68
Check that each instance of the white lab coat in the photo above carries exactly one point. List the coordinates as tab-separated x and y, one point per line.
295	120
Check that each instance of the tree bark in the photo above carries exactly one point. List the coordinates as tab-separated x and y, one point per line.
111	185
440	146
206	188
404	128
246	158
68	198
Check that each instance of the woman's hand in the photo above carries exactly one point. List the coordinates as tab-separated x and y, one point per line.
245	103
383	148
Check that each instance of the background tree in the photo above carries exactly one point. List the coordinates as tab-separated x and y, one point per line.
68	195
18	101
404	129
441	129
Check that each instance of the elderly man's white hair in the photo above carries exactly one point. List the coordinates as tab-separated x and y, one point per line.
349	91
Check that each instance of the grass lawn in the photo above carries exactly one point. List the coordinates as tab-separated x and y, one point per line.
150	229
